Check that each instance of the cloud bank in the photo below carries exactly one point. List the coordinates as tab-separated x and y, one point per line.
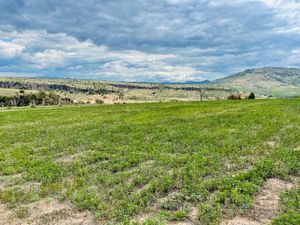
171	40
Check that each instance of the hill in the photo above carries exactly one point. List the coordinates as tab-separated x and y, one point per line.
189	82
108	92
269	81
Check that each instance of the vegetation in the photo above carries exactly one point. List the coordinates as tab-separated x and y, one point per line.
291	203
234	97
32	99
279	82
159	161
85	91
251	96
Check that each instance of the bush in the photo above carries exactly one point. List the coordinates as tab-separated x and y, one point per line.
99	101
34	99
209	213
251	96
234	97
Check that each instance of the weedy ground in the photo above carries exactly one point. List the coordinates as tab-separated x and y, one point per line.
158	163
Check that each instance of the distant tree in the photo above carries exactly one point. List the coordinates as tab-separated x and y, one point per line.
251	96
121	95
59	102
22	91
32	103
42	94
201	93
13	101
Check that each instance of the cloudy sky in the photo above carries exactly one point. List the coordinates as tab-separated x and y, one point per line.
146	40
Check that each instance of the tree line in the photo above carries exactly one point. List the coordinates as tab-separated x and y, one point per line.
55	87
33	99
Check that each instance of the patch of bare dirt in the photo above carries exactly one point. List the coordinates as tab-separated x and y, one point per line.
242	221
10	180
47	212
180	223
4	214
193	213
266	204
152	212
142	218
271	144
69	158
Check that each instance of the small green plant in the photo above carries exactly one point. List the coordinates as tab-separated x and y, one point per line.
291	208
209	213
21	212
153	221
178	215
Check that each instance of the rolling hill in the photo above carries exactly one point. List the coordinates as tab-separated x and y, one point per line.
268	81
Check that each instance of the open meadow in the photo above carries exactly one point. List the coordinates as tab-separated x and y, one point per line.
215	162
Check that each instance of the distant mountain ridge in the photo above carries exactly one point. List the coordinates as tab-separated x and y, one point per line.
188	82
267	80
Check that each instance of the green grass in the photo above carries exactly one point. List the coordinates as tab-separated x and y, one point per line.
291	208
120	161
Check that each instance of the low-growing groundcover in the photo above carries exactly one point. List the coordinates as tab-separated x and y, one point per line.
161	161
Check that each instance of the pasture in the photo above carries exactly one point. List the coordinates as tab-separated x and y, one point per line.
150	163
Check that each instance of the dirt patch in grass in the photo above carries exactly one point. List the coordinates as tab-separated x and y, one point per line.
266	204
9	180
180	223
271	144
68	159
46	211
153	211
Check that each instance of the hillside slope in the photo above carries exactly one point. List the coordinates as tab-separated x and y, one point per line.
268	80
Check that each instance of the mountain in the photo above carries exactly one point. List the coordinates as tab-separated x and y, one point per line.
189	82
275	81
197	82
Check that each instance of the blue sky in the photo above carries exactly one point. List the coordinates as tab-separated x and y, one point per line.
146	40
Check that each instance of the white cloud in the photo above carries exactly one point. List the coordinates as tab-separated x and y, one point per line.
9	49
150	71
41	50
179	2
293	58
150	39
288	11
283	4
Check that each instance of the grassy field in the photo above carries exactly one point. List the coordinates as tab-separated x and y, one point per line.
13	92
158	163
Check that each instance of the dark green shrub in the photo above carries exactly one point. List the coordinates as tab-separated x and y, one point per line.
99	101
251	96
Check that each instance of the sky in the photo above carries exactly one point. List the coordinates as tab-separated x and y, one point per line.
147	40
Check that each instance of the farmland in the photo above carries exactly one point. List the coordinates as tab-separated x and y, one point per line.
150	163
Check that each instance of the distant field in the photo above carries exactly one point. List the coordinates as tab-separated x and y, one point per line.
154	163
13	92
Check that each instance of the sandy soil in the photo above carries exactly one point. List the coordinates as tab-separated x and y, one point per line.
266	204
